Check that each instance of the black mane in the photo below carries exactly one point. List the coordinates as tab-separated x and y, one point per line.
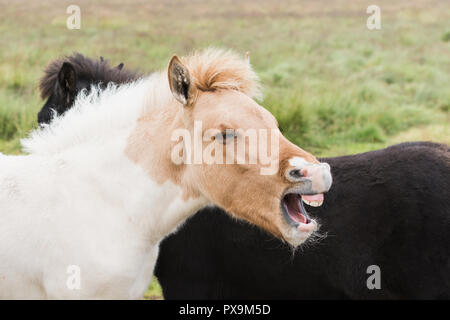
94	70
65	78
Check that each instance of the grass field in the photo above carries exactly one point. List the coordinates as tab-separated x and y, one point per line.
335	86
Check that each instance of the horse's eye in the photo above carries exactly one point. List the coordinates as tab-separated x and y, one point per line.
225	136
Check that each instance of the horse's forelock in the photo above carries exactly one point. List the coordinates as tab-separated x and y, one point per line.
214	69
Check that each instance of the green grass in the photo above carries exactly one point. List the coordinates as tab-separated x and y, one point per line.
154	291
446	36
335	87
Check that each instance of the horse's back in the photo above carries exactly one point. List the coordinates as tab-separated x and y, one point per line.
397	216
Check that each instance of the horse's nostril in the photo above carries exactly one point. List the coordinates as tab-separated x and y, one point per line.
304	172
296	173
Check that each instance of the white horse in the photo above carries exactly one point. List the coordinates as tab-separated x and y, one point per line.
83	212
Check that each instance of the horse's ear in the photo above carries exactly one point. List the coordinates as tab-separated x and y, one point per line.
180	82
67	78
120	66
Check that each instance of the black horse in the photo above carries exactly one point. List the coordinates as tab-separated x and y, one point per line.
385	223
65	78
387	209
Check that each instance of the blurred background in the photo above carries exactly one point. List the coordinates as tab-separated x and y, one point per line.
335	86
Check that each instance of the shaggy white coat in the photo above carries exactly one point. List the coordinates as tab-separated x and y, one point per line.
76	202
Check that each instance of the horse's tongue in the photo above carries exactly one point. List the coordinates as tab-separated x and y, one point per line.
314	197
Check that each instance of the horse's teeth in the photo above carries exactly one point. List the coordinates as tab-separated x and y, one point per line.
306	201
313	203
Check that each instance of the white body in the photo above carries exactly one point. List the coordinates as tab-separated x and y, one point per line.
77	200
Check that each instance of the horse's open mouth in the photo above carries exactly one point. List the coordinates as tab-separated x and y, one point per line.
294	211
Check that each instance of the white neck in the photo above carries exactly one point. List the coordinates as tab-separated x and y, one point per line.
91	139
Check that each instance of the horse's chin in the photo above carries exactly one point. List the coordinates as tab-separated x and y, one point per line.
296	236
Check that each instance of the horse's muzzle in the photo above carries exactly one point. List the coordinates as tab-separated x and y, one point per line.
311	178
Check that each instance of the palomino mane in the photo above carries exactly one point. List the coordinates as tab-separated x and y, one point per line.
102	112
95	70
215	69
